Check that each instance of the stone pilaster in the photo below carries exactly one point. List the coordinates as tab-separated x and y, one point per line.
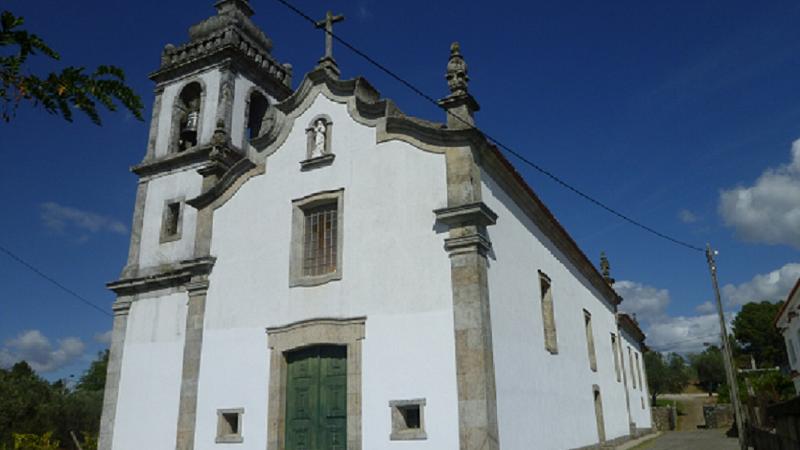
187	408
132	267
227	85
205	220
467	245
111	394
153	135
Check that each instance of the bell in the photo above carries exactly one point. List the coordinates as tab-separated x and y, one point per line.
189	130
191	122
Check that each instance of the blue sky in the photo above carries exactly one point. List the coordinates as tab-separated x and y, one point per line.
680	114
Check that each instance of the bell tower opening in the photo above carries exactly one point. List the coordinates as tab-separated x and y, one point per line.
187	113
256	112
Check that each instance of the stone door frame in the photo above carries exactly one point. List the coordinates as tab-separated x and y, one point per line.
284	339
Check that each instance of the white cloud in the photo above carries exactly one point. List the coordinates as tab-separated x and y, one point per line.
103	338
705	308
687	216
772	286
665	333
769	210
685	334
35	348
58	218
646	302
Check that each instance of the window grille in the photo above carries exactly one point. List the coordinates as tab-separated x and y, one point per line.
319	249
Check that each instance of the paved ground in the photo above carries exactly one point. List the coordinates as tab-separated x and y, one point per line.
692	440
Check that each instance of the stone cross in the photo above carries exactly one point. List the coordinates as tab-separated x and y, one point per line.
327	24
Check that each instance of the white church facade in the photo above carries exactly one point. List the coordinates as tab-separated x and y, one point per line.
311	269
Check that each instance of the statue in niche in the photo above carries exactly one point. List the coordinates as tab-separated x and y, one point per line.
320	129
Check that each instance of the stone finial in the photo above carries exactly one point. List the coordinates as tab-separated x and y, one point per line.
605	269
228	6
220	135
457	78
460	105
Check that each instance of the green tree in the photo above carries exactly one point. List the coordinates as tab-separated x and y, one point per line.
57	92
31	407
709	368
668	375
754	331
94	379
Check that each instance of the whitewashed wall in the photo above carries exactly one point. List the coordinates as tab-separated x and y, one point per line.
186	183
149	389
639	396
541	397
395	272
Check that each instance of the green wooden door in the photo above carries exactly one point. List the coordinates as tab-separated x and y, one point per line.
316	399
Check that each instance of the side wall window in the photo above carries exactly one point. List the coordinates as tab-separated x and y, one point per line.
633	374
587	321
614	350
548	315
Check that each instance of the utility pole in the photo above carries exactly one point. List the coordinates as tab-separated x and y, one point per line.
727	356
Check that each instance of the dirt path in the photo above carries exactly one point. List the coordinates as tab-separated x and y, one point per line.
692	407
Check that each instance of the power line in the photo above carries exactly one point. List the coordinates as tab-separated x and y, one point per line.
51	280
508	149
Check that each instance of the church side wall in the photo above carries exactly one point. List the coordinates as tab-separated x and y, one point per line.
395	273
542	397
151	374
185	185
639	397
791	336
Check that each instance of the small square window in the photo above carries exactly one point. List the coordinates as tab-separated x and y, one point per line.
229	426
171	220
408	420
411	416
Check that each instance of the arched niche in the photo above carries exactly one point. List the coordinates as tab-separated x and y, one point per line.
187	117
255	120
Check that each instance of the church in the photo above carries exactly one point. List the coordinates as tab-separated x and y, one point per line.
312	269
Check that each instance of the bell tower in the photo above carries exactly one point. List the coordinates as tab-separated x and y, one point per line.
210	80
213	92
213	96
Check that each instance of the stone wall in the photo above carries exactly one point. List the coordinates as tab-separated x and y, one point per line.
663	418
718	416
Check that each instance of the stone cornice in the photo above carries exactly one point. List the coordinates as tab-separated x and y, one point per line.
225	182
475	242
627	323
173	161
229	47
469	214
163	277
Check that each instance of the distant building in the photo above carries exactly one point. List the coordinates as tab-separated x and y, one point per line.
311	269
788	323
